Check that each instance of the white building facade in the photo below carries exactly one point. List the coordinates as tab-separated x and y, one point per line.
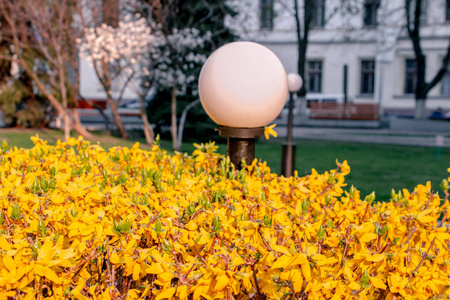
368	41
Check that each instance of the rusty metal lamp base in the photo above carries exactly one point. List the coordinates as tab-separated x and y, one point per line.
241	143
288	159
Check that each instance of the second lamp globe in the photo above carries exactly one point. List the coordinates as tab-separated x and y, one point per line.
295	82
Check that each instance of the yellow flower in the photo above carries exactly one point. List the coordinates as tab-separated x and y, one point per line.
397	284
268	131
77	220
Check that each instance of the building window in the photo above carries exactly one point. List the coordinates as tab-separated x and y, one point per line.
266	16
318	13
370	12
367	76
446	82
447	11
315	76
410	76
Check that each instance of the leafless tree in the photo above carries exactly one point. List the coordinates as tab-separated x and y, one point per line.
304	13
43	37
92	15
142	90
413	12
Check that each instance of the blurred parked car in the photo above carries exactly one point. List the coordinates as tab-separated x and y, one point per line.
439	114
135	103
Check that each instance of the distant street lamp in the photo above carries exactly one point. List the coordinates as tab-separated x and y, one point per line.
295	82
242	87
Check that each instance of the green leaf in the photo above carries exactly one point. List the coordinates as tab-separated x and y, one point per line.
217	225
444	185
364	279
305	206
321	233
16	213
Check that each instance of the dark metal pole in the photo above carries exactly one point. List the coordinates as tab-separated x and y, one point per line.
288	155
345	83
291	107
239	149
241	143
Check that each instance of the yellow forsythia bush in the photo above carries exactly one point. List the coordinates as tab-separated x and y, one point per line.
78	222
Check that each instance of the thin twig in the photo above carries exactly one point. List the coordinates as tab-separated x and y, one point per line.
258	291
424	256
266	244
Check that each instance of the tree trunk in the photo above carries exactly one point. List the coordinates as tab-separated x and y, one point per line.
148	130
420	110
117	119
79	128
106	83
76	101
173	125
302	40
183	120
60	110
62	86
54	102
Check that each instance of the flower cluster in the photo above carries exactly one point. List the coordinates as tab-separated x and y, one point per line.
131	39
80	222
176	57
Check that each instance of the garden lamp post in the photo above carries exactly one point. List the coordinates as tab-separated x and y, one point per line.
288	156
242	87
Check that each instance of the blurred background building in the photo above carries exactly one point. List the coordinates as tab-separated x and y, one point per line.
357	51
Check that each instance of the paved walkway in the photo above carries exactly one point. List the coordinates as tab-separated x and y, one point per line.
377	136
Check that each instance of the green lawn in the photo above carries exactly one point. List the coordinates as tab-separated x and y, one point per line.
21	138
374	167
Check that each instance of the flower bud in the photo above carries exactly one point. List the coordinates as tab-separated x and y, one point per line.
444	185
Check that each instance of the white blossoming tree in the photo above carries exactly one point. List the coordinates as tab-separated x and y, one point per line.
175	63
116	54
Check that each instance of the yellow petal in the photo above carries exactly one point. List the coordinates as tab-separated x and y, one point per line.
4	244
328	261
182	292
51	275
157	256
298	259
136	271
368	237
281	249
166	294
354	286
9	263
165	277
377	282
79	287
297	280
348	273
39	270
155	268
221	282
376	257
238	261
46	252
66	254
115	259
192	225
282	261
306	270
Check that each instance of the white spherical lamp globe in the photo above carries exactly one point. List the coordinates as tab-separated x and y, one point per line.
295	82
243	84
